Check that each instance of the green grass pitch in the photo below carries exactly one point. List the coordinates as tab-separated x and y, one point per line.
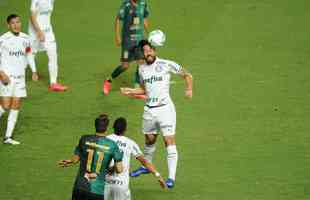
243	136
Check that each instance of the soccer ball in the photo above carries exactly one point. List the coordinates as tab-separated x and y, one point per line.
157	38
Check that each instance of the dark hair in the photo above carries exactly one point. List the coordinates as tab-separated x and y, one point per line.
120	126
102	123
143	43
10	17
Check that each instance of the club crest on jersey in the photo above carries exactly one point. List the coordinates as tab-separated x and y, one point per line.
158	68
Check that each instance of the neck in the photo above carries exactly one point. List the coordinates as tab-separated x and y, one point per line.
15	33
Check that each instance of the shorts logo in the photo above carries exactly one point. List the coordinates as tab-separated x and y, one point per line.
158	68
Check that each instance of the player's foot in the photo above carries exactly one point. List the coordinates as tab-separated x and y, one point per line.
106	87
170	183
10	141
139	171
57	87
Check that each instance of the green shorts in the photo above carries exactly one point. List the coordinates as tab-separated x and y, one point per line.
131	54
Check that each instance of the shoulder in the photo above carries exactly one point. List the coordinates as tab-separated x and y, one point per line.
5	36
167	62
110	136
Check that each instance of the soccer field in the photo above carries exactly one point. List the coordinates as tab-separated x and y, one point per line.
243	136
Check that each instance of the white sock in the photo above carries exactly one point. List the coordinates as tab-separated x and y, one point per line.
2	111
11	123
52	62
149	151
172	159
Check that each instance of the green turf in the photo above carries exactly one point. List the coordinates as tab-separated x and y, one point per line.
245	134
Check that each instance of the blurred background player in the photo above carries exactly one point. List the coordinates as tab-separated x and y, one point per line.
15	54
133	15
94	152
117	185
159	111
43	38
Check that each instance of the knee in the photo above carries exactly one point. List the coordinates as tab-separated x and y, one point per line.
150	140
6	106
16	104
169	141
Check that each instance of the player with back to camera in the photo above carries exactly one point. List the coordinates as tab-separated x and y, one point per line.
117	185
94	153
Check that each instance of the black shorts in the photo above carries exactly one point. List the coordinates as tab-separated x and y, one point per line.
84	195
130	54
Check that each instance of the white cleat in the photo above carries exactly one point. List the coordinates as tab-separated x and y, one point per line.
11	141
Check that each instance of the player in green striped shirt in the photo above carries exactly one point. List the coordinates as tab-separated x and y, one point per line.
94	153
130	25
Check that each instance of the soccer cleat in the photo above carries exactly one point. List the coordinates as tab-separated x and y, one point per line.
57	87
10	141
106	87
139	171
170	183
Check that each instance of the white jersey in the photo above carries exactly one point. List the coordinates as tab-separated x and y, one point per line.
156	79
44	8
128	147
13	53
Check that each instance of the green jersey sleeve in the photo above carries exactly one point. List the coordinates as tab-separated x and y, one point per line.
146	11
79	147
121	12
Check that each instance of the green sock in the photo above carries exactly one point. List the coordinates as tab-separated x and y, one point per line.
137	77
117	71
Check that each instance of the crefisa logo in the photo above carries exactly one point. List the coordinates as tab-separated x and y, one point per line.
17	53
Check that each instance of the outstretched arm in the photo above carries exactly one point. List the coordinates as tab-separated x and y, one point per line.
188	82
133	91
67	163
152	169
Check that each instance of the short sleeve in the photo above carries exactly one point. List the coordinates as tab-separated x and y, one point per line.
117	154
34	5
78	148
28	46
136	151
146	11
174	67
121	12
140	76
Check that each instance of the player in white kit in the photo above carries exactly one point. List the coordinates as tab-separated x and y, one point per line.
159	112
43	38
117	185
15	54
